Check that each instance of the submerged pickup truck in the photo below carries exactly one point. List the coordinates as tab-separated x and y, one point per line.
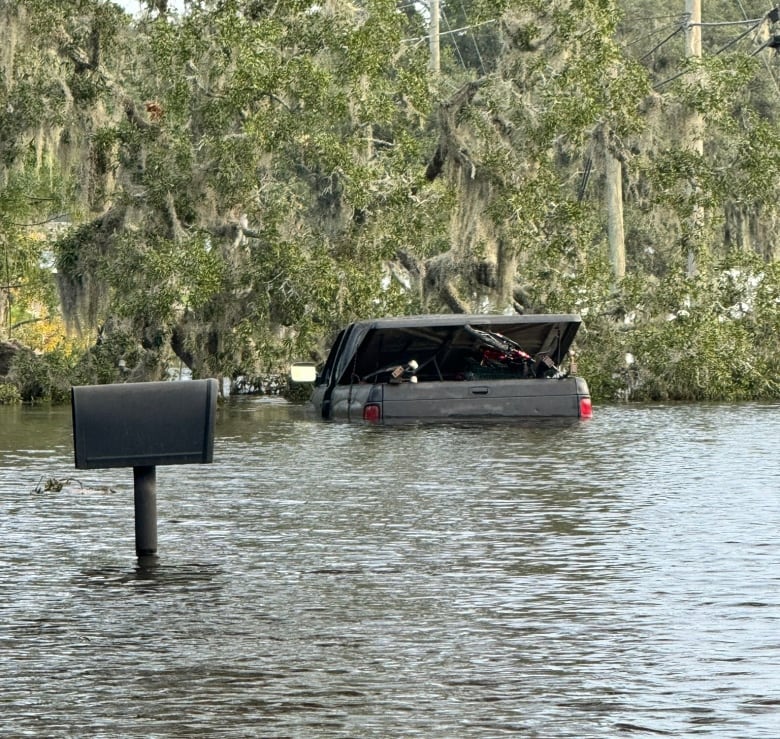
450	367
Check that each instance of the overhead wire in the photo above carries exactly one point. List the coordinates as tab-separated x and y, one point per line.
474	40
728	23
756	22
652	17
585	177
451	32
454	40
771	15
678	26
658	46
651	34
467	30
739	38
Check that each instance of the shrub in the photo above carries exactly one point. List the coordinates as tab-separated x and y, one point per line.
42	377
9	393
30	373
708	338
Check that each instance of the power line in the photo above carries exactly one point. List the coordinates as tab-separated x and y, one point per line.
739	38
773	15
771	74
671	79
652	17
474	40
763	46
454	41
651	34
756	23
728	23
450	32
658	46
584	180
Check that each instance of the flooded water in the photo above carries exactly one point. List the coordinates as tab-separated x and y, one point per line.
619	577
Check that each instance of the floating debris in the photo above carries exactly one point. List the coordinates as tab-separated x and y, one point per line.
53	485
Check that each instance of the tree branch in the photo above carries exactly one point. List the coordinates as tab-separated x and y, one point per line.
29	320
448	113
231	230
410	262
136	119
451	298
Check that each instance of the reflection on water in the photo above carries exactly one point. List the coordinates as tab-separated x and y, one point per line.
615	578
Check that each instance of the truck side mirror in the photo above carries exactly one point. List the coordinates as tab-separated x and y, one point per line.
303	372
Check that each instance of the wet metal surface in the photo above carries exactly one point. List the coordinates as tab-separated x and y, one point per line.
619	577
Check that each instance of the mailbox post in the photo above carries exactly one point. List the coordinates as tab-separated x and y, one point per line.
142	425
145	499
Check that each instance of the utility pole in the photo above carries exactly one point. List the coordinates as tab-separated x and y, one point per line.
695	129
5	293
614	198
693	51
434	37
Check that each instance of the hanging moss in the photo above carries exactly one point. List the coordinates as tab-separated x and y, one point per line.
80	256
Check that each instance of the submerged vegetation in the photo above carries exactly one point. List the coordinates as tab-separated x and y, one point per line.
222	188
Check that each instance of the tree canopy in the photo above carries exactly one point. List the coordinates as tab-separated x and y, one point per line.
239	179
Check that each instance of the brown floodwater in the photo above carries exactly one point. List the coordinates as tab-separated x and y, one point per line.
618	577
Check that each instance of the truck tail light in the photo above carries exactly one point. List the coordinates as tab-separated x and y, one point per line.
586	408
372	412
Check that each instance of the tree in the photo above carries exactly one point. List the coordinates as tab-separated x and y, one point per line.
39	149
732	90
506	141
261	154
244	177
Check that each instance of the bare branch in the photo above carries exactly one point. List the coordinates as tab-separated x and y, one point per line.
449	111
410	262
30	320
450	296
136	118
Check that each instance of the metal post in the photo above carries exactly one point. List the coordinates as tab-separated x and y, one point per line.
145	487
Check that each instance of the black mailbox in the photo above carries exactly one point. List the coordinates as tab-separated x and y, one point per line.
144	424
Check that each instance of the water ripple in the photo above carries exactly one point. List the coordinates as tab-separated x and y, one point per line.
614	578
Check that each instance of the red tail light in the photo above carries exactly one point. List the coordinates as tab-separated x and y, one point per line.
372	412
586	408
